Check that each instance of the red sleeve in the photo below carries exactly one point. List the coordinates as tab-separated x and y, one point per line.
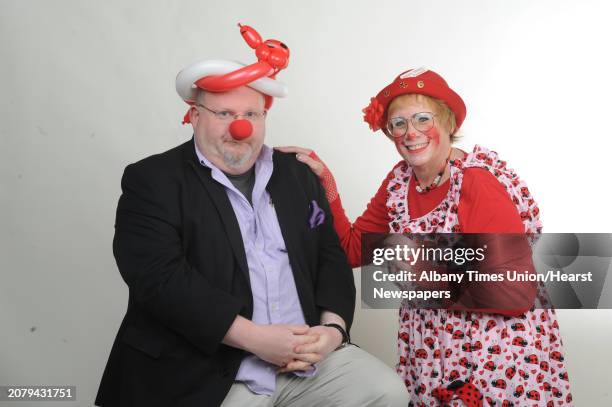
486	207
375	219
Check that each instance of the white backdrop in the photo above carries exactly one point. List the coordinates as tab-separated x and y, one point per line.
88	87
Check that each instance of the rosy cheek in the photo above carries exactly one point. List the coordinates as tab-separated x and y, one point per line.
399	145
398	142
433	135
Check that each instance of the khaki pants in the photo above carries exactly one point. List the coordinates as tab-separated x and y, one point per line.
347	377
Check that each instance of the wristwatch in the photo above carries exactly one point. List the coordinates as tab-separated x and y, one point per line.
346	339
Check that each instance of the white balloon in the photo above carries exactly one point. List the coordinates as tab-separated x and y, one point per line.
186	78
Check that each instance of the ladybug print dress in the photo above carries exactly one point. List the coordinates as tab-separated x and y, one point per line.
461	358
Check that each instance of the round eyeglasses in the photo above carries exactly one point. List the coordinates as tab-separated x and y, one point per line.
422	122
227	115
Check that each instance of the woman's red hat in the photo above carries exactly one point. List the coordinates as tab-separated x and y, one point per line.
418	81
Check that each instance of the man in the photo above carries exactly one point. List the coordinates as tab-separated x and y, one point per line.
234	270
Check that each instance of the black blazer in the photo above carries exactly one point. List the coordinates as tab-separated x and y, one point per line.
179	249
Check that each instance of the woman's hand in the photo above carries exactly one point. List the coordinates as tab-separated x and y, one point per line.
317	166
306	156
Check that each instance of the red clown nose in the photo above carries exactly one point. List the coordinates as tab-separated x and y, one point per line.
240	129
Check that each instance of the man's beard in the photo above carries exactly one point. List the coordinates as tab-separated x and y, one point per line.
236	160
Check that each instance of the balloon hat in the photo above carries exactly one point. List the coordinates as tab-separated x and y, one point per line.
222	76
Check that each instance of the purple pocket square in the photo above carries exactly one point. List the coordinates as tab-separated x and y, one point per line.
317	216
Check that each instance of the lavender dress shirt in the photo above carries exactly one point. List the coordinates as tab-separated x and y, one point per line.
275	297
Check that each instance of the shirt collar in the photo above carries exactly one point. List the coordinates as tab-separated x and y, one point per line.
264	166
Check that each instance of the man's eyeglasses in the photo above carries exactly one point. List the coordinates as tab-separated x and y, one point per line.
226	115
422	121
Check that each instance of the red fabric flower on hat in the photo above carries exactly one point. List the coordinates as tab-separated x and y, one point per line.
372	114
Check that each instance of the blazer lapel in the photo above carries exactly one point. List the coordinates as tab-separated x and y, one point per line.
282	194
226	212
287	201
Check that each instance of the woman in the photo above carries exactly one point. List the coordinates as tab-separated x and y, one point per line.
499	358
